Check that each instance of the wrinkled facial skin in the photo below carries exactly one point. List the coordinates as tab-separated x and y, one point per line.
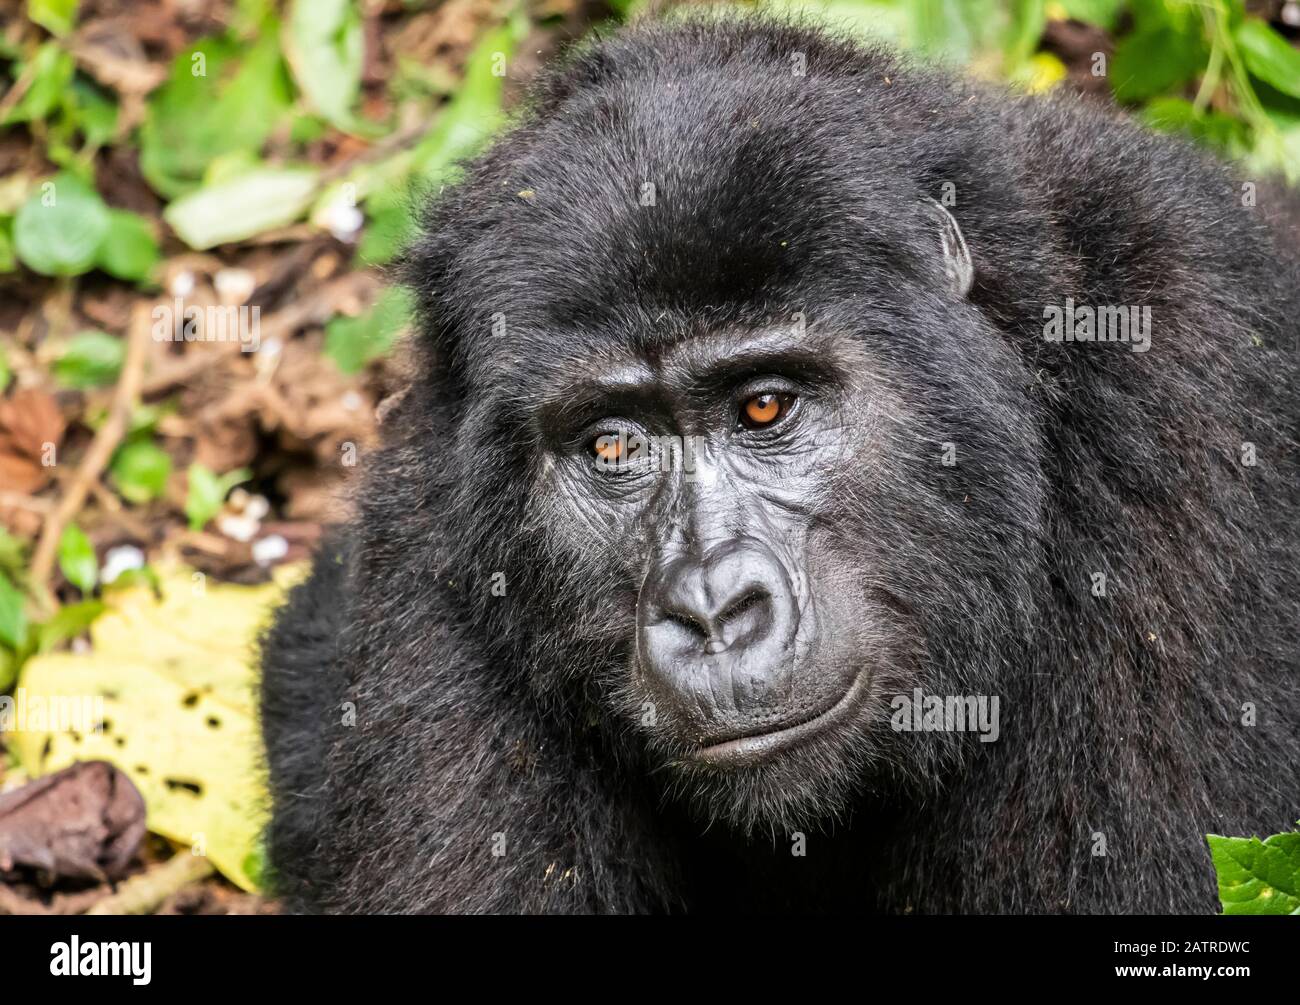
758	644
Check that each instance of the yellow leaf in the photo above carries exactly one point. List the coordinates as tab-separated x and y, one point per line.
1046	71
177	680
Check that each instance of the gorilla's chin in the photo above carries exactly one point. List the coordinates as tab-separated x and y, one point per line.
800	776
806	786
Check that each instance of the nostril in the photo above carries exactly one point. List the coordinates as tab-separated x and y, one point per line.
744	603
693	626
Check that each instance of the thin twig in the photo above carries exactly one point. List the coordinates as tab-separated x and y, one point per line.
97	456
20	500
143	893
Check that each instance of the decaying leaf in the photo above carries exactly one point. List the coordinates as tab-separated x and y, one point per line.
85	822
31	428
177	679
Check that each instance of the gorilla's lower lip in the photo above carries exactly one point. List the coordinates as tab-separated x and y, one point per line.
748	750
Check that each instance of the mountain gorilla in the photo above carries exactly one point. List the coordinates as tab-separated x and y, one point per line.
781	517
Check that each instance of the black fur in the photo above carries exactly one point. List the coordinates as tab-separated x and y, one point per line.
479	715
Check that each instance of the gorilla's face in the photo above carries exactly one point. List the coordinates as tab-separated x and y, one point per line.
708	471
742	499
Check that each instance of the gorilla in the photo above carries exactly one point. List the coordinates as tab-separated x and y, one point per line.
825	485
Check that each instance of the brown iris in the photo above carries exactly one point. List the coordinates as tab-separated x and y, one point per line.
608	448
764	409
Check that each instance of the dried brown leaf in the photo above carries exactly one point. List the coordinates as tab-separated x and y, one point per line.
84	822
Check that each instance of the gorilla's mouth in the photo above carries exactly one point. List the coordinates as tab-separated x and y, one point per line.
746	751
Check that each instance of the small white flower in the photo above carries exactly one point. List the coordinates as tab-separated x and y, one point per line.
270	548
119	560
234	286
344	220
256	507
182	284
238	527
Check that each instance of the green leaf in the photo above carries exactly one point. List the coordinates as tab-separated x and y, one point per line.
92	359
5	372
1269	56
957	30
1225	133
58	230
207	492
257	864
140	471
242	206
1278	152
129	249
94	112
8	670
8	257
68	622
1153	60
324	43
1258	877
1102	13
212	104
55	16
306	129
77	559
390	228
353	342
1024	29
878	19
473	115
50	71
229	166
13	553
624	8
13	619
249	16
204	499
128	579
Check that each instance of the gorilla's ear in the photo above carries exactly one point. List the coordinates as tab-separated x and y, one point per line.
957	268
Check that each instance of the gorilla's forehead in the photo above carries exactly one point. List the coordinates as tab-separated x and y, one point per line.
645	212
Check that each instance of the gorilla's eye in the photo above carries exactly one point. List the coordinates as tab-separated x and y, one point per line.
764	409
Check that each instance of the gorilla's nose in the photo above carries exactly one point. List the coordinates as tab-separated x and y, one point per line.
716	632
723	601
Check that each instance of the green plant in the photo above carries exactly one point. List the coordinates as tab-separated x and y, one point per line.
1258	877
